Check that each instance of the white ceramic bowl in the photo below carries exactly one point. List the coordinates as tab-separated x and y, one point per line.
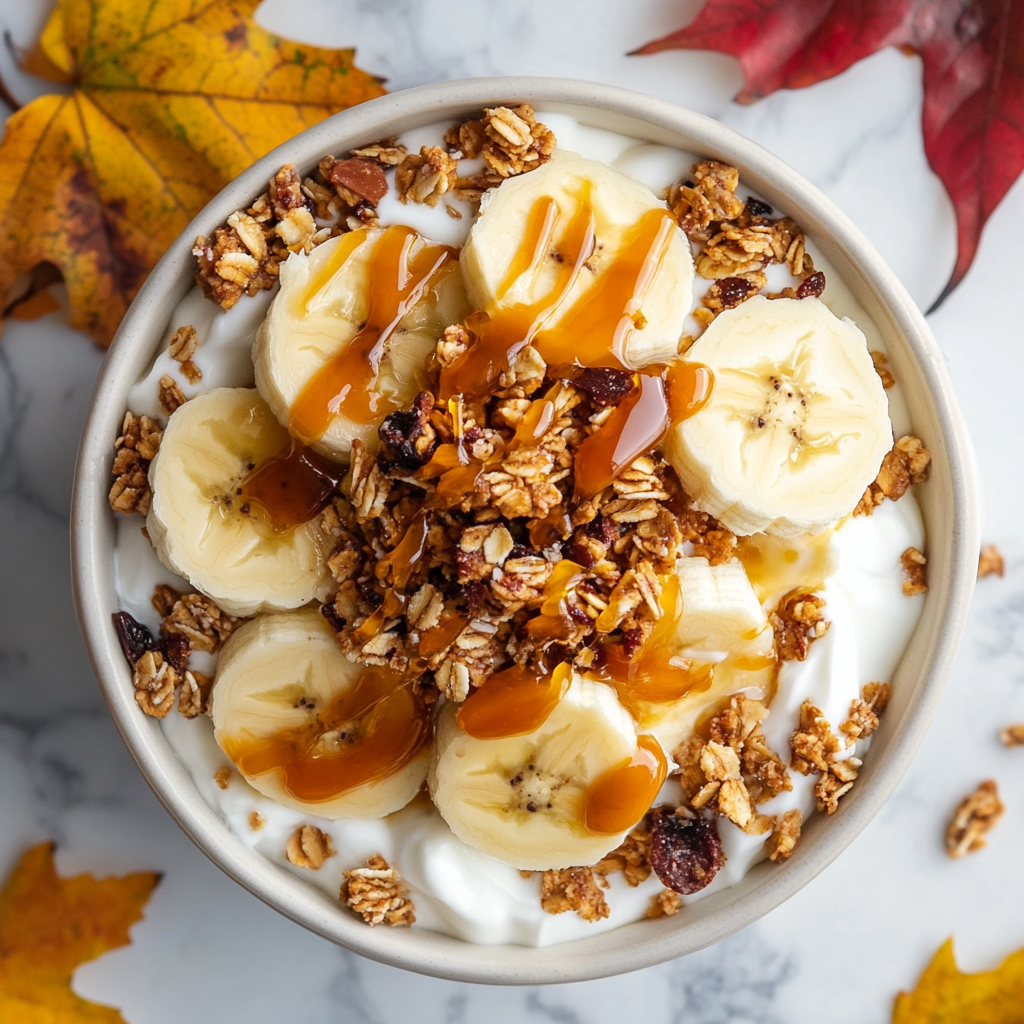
948	505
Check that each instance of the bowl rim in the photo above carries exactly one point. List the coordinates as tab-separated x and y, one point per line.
629	947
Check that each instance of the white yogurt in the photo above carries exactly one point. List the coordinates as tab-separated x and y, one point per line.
457	890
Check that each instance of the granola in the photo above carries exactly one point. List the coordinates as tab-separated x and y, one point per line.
378	894
798	621
990	562
135	449
563	889
907	463
1012	735
975	815
914	562
632	857
510	139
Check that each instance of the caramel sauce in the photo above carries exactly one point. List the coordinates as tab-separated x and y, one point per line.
291	488
403	558
346	384
620	797
513	703
540	229
655	675
499	333
440	636
364	735
552	621
639	422
775	566
593	330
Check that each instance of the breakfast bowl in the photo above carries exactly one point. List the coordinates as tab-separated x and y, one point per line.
925	401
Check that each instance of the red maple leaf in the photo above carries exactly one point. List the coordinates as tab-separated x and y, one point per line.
973	54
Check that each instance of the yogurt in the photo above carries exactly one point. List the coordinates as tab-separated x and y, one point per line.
457	890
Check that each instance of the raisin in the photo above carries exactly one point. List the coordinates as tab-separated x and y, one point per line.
330	612
370	597
604	385
579	554
731	291
409	437
475	594
757	208
686	853
632	641
523	551
811	286
603	529
176	649
134	637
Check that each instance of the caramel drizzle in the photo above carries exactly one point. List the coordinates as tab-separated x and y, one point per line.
364	735
347	384
618	799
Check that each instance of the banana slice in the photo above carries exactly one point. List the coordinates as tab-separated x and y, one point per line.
334	305
625	293
197	523
797	423
523	799
713	640
310	729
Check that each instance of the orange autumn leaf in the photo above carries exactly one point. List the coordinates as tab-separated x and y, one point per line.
50	925
945	995
172	99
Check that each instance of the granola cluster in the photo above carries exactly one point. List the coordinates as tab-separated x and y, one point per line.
160	665
975	815
577	889
733	769
907	463
816	749
739	240
798	621
308	847
462	547
378	894
134	450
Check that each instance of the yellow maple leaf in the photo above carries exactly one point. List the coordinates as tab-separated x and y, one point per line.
945	995
172	99
50	925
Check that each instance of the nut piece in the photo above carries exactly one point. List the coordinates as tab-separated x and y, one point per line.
913	563
136	447
881	364
990	562
308	847
907	463
782	842
194	699
974	816
563	889
864	711
376	892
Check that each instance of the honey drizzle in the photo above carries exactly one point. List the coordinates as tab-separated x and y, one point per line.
292	487
346	246
364	735
346	384
513	702
618	799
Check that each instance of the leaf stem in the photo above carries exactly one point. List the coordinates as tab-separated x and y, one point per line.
6	96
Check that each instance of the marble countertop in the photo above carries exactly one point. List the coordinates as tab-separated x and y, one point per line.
841	948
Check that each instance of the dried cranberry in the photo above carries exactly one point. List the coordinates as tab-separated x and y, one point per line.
686	853
603	529
409	437
757	208
632	641
522	551
811	286
370	597
176	649
330	612
134	637
475	594
733	290
579	554
603	384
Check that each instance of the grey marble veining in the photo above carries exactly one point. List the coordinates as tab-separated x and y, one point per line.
841	948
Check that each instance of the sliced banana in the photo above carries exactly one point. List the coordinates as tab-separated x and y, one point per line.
323	302
720	637
517	256
521	798
797	423
197	524
278	701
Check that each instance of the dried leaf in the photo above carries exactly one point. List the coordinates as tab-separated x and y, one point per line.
945	995
973	54
171	101
50	925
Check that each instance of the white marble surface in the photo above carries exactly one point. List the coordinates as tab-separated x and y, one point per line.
840	949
